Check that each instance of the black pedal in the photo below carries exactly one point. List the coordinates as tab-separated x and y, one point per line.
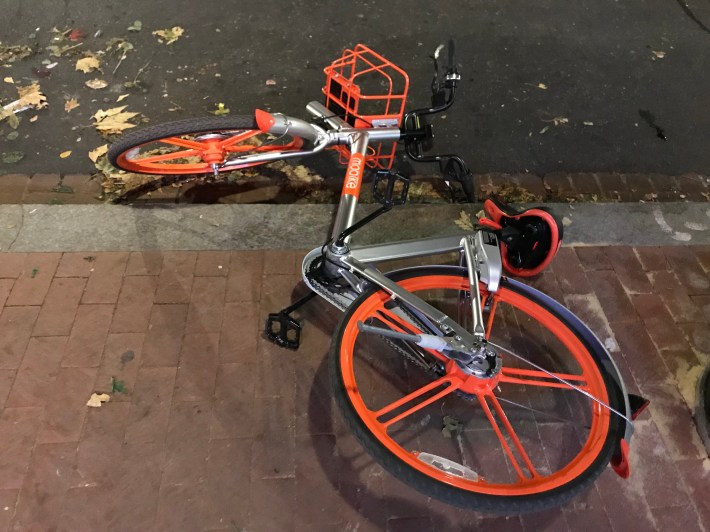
384	185
283	330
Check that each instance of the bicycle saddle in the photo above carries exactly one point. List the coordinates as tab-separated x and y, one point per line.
529	239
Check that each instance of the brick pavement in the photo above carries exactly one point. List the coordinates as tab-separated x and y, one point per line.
220	430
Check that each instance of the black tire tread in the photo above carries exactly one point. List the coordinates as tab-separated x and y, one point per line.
179	127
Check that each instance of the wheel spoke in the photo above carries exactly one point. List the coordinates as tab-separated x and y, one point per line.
529	377
240	137
168	156
511	434
183	143
450	383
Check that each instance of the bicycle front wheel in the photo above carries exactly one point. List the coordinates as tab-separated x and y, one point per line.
193	145
517	440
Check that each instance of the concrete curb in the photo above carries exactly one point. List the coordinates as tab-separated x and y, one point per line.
33	228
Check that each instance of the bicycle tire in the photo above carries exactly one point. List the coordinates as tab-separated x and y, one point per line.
350	382
146	150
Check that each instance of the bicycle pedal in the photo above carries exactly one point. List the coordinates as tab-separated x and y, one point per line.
384	185
283	330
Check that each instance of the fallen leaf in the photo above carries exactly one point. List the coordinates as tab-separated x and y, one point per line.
32	96
136	26
88	64
10	54
76	35
112	121
452	427
98	152
117	386
8	79
544	130
70	104
121	98
542	86
65	154
34	118
12	135
657	55
96	84
61	43
270	82
587	123
221	110
560	120
12	157
96	399
169	35
464	221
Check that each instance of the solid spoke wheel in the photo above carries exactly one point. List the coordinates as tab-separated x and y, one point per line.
518	440
193	145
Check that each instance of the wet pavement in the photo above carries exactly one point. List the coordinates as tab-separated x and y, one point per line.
550	87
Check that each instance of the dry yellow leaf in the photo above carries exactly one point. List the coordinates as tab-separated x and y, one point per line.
98	152
113	121
96	399
121	98
65	154
71	104
96	84
88	64
169	35
31	96
34	118
542	86
8	79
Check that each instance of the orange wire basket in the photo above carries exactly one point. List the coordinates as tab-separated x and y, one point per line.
367	90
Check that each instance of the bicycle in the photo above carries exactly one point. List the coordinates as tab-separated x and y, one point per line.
466	384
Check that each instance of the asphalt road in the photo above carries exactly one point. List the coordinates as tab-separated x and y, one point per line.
623	74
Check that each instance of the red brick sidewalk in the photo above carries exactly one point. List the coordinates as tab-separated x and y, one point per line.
220	430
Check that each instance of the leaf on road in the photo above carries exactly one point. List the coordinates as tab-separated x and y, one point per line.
121	98
76	35
98	152
657	55
8	79
70	104
221	110
113	121
558	120
32	96
61	43
169	35
96	84
541	86
65	154
97	399
12	53
136	26
12	157
88	63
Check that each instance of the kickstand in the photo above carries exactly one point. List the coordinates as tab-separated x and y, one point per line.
282	329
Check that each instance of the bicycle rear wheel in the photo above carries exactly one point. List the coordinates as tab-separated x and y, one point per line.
517	441
192	145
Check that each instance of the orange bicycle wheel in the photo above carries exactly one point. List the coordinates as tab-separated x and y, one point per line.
514	441
193	145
